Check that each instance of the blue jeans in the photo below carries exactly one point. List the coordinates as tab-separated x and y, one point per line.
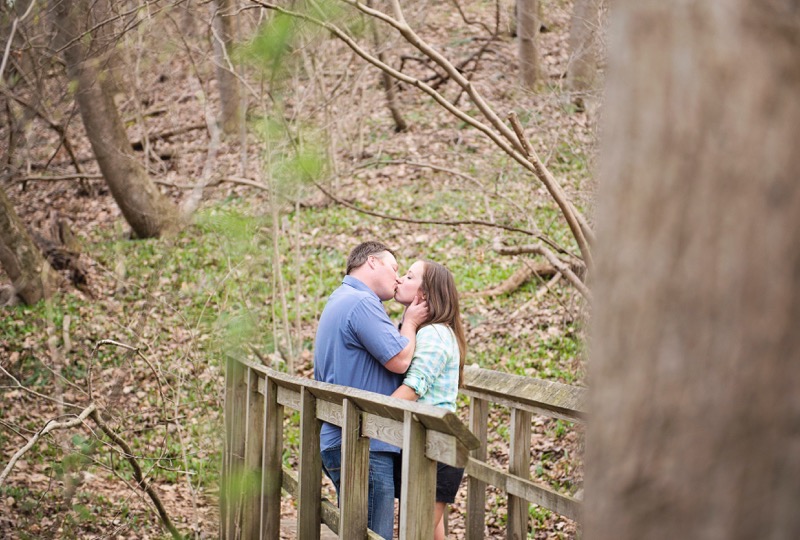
383	466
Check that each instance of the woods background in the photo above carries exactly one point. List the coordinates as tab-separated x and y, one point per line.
182	181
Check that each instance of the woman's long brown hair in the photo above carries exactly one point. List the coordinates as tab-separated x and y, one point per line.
439	288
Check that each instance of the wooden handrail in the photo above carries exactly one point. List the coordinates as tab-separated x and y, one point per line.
253	474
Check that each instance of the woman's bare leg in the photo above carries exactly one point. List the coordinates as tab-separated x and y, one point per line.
438	519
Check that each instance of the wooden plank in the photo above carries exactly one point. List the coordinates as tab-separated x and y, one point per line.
439	446
330	412
418	487
353	499
254	440
330	512
228	414
236	404
564	399
431	417
289	398
273	471
569	416
533	493
476	489
308	498
519	464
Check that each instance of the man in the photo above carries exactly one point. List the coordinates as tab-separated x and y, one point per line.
358	346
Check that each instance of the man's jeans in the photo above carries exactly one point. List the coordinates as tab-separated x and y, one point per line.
382	469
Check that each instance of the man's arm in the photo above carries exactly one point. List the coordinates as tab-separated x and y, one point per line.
415	315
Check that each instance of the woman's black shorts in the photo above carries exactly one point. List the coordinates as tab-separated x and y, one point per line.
447	481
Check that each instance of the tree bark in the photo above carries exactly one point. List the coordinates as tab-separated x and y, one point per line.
31	276
582	67
148	212
227	83
528	30
695	429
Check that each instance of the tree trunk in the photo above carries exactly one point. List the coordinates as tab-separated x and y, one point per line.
31	276
695	428
147	211
389	83
582	67
227	83
528	30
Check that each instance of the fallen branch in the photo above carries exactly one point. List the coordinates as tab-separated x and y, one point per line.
164	135
141	481
561	266
48	427
516	280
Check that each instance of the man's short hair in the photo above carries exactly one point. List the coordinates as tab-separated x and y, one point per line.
362	251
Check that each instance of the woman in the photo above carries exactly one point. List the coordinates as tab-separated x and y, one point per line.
436	372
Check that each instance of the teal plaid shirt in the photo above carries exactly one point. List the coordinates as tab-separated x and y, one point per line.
433	374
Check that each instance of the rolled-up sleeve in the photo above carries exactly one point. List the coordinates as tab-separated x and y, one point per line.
430	359
374	331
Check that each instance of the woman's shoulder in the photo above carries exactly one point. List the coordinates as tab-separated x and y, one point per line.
436	331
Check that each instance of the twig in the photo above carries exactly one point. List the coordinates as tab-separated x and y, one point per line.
567	209
506	139
164	135
451	223
138	353
48	427
141	481
14	24
42	114
37	394
551	257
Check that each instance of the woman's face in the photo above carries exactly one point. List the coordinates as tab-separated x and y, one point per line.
410	284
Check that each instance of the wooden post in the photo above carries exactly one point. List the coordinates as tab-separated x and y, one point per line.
310	477
476	489
519	464
235	418
417	499
253	444
354	484
273	448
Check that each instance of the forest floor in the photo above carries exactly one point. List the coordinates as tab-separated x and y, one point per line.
253	269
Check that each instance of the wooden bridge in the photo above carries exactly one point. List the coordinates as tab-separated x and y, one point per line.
254	475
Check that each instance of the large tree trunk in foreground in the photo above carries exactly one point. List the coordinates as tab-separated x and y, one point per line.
695	384
147	211
30	274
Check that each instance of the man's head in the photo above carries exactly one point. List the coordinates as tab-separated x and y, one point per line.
374	264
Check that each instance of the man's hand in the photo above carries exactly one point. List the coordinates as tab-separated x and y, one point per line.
416	313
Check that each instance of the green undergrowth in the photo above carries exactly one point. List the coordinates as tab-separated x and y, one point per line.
189	302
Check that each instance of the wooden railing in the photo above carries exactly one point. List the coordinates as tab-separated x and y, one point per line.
523	396
253	474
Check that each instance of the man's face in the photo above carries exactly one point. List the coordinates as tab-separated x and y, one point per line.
385	268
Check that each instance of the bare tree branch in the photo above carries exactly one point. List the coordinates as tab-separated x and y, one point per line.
560	265
506	139
141	481
439	221
48	427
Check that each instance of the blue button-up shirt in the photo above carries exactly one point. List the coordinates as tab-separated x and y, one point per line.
355	338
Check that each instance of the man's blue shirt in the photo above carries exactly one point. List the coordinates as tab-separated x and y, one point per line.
355	338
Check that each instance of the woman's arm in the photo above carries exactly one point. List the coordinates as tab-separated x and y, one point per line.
405	392
430	357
